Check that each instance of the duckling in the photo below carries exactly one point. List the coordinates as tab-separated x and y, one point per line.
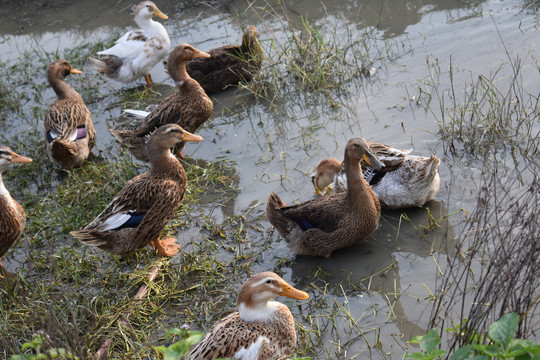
228	65
12	215
138	213
136	53
406	181
320	226
261	329
69	129
189	107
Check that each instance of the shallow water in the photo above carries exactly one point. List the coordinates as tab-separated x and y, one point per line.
383	281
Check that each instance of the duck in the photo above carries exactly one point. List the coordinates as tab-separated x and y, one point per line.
260	329
68	125
189	107
138	214
135	54
228	65
406	181
322	225
12	215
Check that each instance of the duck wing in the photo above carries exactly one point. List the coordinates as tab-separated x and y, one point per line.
128	46
324	213
68	119
146	203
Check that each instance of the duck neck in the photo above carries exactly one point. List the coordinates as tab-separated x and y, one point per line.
62	89
3	190
163	161
145	23
180	74
257	312
356	184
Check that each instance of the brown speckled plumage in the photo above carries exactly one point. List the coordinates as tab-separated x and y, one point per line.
320	226
261	330
228	65
189	107
153	196
12	215
64	146
405	181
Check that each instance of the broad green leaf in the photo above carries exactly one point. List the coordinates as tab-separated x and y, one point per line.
503	330
462	353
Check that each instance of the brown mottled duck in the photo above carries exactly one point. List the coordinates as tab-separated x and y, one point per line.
12	215
320	226
228	65
69	129
138	213
189	107
261	329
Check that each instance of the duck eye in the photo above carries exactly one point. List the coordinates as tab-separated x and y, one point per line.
268	281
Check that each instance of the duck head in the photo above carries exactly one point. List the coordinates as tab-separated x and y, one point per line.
357	148
253	298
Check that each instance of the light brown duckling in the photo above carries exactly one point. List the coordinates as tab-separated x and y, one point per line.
189	107
69	129
406	180
12	215
139	212
320	226
261	329
228	65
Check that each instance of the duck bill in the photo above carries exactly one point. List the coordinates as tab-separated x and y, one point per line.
191	137
75	71
373	161
16	158
290	292
202	55
159	14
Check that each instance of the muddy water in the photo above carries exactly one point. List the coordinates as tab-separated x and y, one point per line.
383	282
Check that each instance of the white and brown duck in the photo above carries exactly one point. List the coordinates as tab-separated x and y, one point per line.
135	54
12	215
261	329
405	181
189	107
69	129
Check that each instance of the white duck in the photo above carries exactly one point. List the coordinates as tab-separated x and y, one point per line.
405	181
261	329
136	53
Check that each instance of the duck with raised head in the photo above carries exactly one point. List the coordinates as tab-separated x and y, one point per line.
322	225
189	107
12	215
261	329
228	65
135	54
69	129
406	180
138	213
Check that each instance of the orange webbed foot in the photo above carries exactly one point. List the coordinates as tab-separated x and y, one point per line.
166	247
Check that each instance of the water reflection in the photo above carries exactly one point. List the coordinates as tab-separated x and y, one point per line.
374	268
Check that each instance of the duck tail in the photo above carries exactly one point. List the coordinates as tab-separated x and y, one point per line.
136	144
109	65
135	114
430	169
89	237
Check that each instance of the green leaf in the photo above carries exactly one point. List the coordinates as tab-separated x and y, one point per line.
462	353
502	330
430	341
